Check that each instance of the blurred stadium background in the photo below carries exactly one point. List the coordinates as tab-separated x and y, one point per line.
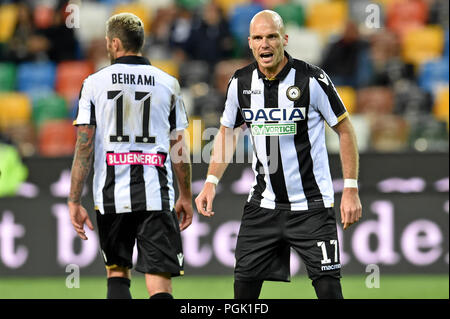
389	60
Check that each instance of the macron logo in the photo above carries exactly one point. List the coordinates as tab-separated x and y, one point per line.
324	79
180	259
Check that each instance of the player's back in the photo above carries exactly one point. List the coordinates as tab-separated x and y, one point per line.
134	107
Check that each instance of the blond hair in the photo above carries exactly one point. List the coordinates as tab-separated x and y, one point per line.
128	28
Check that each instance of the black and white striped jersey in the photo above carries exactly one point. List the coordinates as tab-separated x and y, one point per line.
134	106
286	116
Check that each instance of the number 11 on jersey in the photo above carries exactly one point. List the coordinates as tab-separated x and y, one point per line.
143	97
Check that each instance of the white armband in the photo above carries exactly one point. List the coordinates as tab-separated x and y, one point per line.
212	179
350	183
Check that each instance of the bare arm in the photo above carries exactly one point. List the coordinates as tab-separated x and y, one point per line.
351	210
222	153
81	166
182	167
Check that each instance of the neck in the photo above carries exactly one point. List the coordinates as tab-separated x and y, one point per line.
127	53
271	73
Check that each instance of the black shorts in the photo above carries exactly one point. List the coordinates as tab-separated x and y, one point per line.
156	233
266	236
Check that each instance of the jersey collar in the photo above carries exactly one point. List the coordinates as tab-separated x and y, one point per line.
283	73
132	59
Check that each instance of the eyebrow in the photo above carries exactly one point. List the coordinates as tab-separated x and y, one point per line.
268	35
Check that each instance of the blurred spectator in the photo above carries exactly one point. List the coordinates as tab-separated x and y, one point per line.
388	65
57	42
346	60
179	33
61	42
157	45
25	43
210	39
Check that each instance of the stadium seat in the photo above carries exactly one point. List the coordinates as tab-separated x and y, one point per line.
36	78
291	13
92	22
70	76
428	134
8	20
422	44
168	66
375	100
361	125
328	18
15	109
228	6
348	97
433	74
446	45
49	108
7	76
270	4
195	131
240	20
190	4
404	15
389	133
441	105
304	44
140	10
57	138
154	4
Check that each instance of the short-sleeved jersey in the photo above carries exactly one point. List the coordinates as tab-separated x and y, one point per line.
285	116
134	106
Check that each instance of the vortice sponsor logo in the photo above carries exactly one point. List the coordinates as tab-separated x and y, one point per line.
274	129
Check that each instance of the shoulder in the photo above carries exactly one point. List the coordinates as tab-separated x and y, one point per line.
165	79
308	69
97	76
244	72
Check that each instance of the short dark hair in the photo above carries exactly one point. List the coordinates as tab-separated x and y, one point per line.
128	28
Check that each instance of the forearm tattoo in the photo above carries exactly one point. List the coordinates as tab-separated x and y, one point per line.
82	161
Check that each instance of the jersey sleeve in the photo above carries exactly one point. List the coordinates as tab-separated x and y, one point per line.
178	117
232	116
86	107
326	99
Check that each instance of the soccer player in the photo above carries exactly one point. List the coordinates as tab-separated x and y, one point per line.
285	103
130	116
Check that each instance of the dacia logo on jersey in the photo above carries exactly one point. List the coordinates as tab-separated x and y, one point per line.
276	114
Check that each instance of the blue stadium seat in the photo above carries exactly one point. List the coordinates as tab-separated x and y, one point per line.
446	44
36	78
240	20
433	74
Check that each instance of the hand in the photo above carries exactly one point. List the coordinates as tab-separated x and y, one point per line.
351	210
183	208
79	217
205	199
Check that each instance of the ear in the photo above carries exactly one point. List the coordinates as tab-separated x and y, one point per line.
285	40
116	44
250	43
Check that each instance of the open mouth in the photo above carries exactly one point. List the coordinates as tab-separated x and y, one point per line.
266	57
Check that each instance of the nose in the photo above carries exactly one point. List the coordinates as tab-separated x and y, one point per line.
264	42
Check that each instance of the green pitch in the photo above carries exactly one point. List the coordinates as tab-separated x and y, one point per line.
221	287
